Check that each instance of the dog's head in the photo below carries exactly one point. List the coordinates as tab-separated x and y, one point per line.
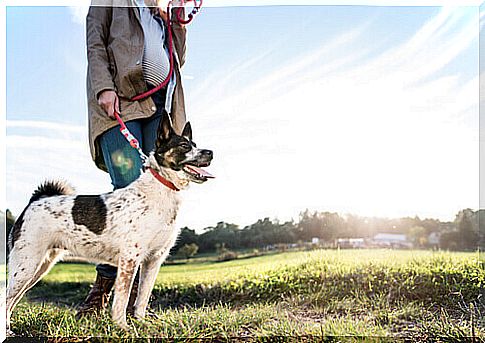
179	155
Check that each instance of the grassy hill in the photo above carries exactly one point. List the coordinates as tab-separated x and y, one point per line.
412	294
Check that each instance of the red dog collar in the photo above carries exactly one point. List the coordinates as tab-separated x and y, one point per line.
163	180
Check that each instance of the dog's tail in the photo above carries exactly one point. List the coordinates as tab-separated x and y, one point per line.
50	189
45	190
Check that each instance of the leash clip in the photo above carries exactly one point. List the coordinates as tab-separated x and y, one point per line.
130	138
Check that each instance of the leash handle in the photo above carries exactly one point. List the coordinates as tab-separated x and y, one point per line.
195	10
129	136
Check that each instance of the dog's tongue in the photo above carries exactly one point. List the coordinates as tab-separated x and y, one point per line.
200	171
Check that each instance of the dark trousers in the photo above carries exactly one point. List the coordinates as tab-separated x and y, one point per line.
122	161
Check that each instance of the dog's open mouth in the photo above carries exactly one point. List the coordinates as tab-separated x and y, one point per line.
198	173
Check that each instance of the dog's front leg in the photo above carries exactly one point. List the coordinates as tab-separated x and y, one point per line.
148	274
124	280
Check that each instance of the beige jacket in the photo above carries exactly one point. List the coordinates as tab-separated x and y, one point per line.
115	42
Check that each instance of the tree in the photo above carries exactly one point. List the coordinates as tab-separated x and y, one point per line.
419	236
187	236
481	229
468	231
324	225
449	240
188	250
9	222
226	233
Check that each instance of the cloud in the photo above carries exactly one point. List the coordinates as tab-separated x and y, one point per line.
387	135
32	124
238	3
331	129
79	12
39	150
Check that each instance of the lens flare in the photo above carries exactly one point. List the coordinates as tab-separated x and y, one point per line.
122	161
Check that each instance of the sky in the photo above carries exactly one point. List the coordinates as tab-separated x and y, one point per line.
370	110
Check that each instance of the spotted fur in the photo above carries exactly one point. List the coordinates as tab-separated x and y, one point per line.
127	228
90	211
45	190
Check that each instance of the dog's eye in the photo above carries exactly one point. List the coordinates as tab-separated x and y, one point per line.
185	146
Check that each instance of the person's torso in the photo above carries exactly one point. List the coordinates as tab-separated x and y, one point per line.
156	60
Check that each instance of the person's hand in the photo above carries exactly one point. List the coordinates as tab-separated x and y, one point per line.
162	6
109	101
163	14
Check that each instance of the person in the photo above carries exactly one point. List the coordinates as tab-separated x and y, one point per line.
127	51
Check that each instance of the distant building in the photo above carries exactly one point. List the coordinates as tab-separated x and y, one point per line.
434	239
391	240
346	243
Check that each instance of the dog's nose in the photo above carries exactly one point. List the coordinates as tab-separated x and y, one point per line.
207	153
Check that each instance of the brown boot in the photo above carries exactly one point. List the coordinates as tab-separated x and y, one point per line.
97	298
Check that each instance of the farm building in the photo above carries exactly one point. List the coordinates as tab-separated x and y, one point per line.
350	243
392	240
434	239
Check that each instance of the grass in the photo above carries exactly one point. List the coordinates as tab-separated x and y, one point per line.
417	295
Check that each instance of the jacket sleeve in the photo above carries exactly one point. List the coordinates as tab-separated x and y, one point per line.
179	37
97	32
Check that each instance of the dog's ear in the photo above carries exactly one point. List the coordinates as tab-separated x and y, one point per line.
165	130
187	132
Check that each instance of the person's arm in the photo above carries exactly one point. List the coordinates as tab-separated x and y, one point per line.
179	32
179	36
97	33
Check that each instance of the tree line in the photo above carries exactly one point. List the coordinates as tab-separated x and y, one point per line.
461	234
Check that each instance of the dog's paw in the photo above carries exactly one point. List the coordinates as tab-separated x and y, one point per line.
123	326
121	322
139	315
147	314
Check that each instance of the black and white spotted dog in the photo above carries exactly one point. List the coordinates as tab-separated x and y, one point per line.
128	227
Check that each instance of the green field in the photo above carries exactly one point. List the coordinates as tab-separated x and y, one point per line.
418	295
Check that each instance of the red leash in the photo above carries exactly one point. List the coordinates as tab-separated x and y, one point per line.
129	137
170	53
195	10
123	129
136	145
179	17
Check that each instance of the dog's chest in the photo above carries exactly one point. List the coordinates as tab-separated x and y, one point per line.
147	216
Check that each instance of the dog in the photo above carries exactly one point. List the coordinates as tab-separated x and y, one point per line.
127	228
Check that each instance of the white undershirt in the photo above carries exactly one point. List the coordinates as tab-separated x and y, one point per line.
156	59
